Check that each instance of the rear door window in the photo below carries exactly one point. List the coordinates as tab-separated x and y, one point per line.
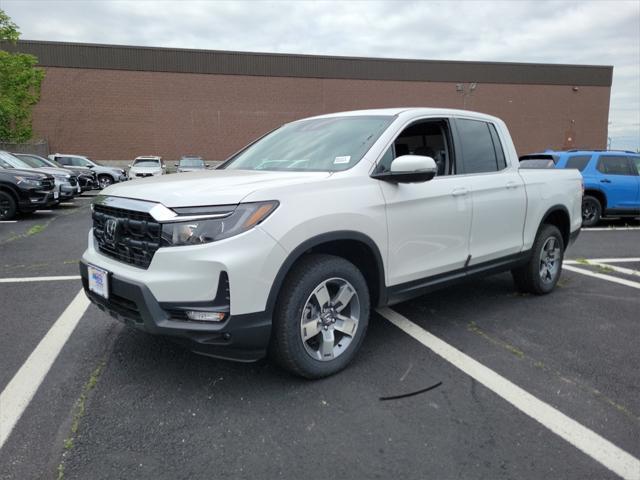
579	162
614	165
478	147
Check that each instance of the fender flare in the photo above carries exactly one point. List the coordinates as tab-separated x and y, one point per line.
557	208
299	251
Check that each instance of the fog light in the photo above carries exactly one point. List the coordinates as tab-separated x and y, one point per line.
205	316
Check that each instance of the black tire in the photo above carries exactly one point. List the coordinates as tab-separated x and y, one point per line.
104	181
591	211
8	208
529	277
287	345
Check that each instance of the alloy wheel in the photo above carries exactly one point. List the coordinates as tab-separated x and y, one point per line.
330	319
550	259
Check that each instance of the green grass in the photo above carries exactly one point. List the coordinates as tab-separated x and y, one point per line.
473	327
605	269
78	412
35	230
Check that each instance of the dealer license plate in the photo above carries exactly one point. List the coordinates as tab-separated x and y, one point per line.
98	281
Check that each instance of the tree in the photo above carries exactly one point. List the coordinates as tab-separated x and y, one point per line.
20	82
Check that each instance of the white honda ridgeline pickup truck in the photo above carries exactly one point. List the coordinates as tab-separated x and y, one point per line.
289	244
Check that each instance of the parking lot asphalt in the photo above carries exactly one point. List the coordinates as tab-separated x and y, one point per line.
118	403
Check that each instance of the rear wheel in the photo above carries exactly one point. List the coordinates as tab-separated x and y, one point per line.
7	206
541	273
591	211
321	316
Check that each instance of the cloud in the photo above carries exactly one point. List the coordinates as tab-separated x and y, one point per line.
589	32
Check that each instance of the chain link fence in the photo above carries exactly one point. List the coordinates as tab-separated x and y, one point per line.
37	147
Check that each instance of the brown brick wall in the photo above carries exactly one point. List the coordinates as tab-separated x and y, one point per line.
117	115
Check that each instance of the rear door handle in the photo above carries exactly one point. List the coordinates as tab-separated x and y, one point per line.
512	185
605	180
459	192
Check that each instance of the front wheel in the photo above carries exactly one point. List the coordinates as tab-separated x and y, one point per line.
321	316
8	207
104	181
541	273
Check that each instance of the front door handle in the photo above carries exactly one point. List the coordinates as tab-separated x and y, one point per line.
459	192
512	185
605	180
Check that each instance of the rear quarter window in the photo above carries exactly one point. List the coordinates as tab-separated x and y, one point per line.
578	162
615	165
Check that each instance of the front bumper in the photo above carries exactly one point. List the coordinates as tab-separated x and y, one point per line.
239	337
34	199
68	191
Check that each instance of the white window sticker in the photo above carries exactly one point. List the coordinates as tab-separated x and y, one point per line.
344	159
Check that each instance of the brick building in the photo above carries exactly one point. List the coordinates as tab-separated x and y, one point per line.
117	102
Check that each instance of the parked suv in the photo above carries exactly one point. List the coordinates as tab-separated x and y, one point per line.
292	241
87	179
147	166
23	191
190	164
106	175
66	182
611	181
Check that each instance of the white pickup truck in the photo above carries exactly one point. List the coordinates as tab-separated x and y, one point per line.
291	242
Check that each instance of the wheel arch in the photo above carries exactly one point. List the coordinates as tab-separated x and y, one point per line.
558	215
106	174
599	195
354	246
11	192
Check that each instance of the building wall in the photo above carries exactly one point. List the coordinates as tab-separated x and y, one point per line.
118	114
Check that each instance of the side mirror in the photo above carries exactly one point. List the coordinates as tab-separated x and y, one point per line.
129	165
90	166
164	166
176	164
409	169
207	165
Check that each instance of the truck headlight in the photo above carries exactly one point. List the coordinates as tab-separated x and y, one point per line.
29	181
205	230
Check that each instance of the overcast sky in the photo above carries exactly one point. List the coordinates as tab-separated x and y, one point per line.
576	32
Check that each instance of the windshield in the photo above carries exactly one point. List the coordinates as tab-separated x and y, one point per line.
321	144
31	161
191	162
13	162
146	162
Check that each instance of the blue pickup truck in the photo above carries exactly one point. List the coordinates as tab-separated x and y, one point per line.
611	180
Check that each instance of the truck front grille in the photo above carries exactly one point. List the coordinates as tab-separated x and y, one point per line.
127	235
48	183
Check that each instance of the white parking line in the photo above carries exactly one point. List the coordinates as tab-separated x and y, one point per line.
609	229
8	221
18	393
615	268
614	260
43	211
601	276
38	279
586	440
67	204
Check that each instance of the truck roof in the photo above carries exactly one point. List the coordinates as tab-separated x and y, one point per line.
409	112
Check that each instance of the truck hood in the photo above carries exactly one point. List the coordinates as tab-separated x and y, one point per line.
217	187
24	173
55	171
